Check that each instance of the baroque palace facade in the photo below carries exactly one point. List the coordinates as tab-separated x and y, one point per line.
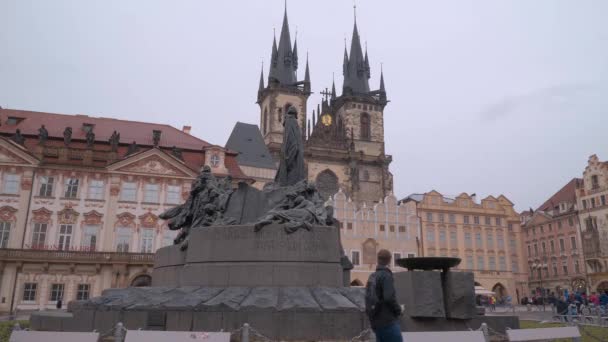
79	201
487	237
344	141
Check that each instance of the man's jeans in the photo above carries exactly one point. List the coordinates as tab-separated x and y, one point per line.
391	333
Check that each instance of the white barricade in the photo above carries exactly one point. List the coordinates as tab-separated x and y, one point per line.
444	336
175	336
53	336
543	334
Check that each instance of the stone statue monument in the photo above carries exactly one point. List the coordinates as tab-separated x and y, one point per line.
67	136
114	140
291	164
43	135
18	137
90	138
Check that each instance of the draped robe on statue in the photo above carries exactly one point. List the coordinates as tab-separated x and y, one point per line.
291	167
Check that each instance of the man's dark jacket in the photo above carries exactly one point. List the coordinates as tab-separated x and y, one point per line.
388	310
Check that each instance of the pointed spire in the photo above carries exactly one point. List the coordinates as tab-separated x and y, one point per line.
314	118
275	52
355	70
382	79
318	109
367	69
295	52
307	76
284	61
261	85
333	87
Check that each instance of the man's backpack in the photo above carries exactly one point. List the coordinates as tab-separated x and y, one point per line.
372	300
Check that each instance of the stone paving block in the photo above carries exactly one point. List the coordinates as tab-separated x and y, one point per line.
192	300
227	300
261	299
355	294
297	299
331	299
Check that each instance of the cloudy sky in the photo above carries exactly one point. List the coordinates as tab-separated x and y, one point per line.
491	97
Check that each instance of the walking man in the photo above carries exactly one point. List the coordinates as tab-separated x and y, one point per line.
381	304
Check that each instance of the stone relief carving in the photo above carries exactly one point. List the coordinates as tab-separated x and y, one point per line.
92	218
148	220
126	220
7	214
67	216
154	165
42	215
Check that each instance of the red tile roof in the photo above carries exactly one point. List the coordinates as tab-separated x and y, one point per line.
130	131
565	194
140	132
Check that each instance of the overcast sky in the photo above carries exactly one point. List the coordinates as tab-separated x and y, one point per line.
491	97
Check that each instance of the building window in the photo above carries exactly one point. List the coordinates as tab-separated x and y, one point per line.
83	292
411	255
512	244
354	258
56	292
430	235
490	240
396	256
577	267
529	251
466	219
555	269
470	262
366	132
498	222
500	241
595	183
65	237
453	239
441	218
502	263
535	249
39	235
442	236
5	232
476	219
552	246
514	266
452	218
480	263
382	228
401	229
173	194
123	239
391	228
565	267
562	245
570	221
349	226
215	160
478	243
46	186
492	263
573	242
128	192
147	240
584	204
488	220
468	242
543	247
542	229
71	188
151	193
29	292
592	202
510	226
89	238
559	224
603	199
429	217
10	183
96	189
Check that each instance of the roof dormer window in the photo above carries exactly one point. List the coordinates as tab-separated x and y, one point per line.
87	127
13	120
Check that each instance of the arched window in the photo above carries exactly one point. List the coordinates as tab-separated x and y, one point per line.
141	281
265	121
327	183
365	127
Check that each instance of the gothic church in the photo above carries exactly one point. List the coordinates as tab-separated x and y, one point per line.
344	139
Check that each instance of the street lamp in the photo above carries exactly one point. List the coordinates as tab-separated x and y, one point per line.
540	266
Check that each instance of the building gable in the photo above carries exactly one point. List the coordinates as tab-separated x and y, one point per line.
153	162
13	154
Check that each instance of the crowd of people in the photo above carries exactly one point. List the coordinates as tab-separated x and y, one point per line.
573	303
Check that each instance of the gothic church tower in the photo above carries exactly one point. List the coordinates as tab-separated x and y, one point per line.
283	90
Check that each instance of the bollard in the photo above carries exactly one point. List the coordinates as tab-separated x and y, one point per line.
486	331
118	332
245	333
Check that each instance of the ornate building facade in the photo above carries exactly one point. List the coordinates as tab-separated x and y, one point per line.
80	198
365	230
486	236
592	200
553	244
344	141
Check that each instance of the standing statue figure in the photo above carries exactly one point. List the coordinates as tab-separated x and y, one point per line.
90	138
43	135
177	153
67	136
114	140
18	138
156	137
132	148
291	167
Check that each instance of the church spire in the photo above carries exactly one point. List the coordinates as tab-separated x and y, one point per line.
307	76
356	74
382	90
284	58
261	85
295	52
333	87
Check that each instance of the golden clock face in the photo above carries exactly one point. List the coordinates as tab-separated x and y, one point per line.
326	119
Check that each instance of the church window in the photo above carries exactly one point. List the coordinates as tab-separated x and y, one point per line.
265	121
327	183
365	126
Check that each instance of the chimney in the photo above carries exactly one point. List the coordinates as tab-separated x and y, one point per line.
186	129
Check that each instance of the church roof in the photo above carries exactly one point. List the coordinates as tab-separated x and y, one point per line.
566	194
246	139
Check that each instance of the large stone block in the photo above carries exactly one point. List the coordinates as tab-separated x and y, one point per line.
460	295
421	293
179	320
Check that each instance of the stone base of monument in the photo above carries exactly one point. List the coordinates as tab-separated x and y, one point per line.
286	286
